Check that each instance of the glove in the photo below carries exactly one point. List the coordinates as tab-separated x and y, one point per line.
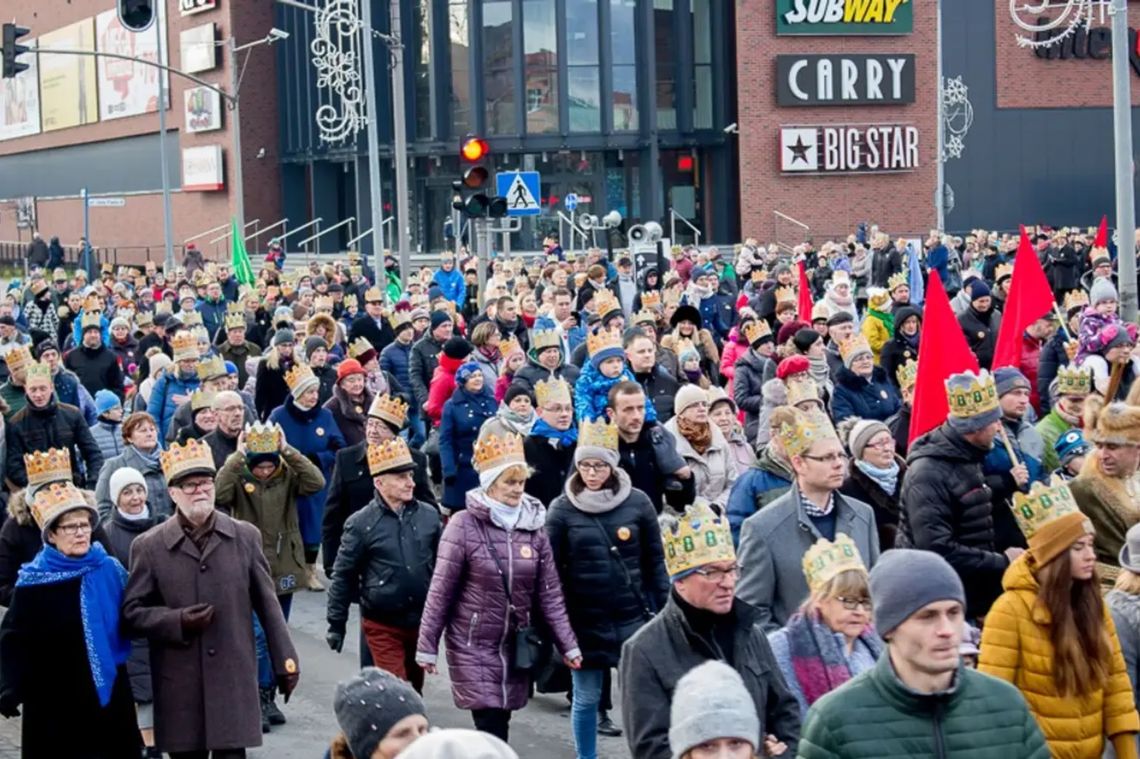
287	683
335	640
9	708
197	618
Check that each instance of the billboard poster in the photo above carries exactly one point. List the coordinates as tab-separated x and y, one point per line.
20	100
198	49
127	88
203	110
68	83
202	169
848	148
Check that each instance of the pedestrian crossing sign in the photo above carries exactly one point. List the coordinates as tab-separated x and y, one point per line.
521	190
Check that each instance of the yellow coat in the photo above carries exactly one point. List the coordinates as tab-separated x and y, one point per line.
1016	648
876	333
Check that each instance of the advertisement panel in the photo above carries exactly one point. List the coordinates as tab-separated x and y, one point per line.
20	100
68	83
202	110
848	149
197	48
127	88
845	79
202	169
844	17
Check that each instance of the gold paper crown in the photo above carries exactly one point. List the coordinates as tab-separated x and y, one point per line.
552	391
825	560
193	457
353	256
820	312
399	319
1076	299
786	294
355	270
854	345
1072	380
979	397
91	320
373	295
541	339
807	430
56	499
51	465
599	434
211	367
672	298
389	455
605	302
492	451
262	438
645	316
802	390
323	303
698	537
840	277
651	299
234	308
19	357
235	321
185	345
601	340
757	329
509	345
201	399
1001	271
359	347
907	373
37	372
92	303
389	409
1042	504
877	297
897	280
299	376
192	319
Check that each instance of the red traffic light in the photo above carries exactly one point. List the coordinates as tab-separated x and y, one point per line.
685	163
474	149
476	177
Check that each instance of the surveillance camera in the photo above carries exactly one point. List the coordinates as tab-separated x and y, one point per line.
278	34
732	129
261	153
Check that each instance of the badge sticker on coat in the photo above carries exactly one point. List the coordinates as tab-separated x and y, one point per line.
525	552
250	487
624	534
321	431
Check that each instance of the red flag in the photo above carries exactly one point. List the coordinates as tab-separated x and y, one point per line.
1030	298
942	351
805	302
1101	240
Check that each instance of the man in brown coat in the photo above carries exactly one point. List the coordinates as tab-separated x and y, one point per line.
195	583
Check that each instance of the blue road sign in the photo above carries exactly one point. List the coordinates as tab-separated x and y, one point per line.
571	201
522	190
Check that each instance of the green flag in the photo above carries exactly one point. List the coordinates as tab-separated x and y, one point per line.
239	259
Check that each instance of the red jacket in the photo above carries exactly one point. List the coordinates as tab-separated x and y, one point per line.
1030	360
441	387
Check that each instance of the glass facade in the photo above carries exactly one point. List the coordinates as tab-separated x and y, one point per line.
498	68
623	54
459	65
540	66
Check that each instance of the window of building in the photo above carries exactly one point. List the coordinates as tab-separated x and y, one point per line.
499	78
422	69
540	65
623	51
702	64
665	46
459	41
583	84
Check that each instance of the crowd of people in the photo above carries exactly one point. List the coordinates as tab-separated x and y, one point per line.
693	486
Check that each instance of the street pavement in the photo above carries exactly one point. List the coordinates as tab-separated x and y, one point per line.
541	731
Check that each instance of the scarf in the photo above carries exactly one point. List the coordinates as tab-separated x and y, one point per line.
699	435
694	376
818	657
150	457
490	352
887	479
100	596
305	415
819	371
516	421
598	501
142	516
911	340
887	319
564	438
503	515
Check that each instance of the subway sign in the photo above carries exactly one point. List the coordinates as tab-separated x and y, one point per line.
844	17
848	149
845	79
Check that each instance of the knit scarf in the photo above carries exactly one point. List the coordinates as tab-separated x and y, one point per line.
151	457
490	352
100	596
887	479
887	319
819	371
598	501
699	435
818	658
564	438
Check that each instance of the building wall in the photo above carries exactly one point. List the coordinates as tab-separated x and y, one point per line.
901	203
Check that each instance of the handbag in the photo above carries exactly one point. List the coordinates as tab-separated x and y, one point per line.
524	645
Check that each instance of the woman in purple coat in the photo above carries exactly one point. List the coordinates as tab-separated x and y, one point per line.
498	544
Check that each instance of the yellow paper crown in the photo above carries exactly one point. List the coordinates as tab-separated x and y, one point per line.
599	434
651	299
18	358
91	319
359	347
671	297
820	312
825	560
1001	271
235	308
978	397
757	274
755	330
605	302
389	455
541	339
601	340
323	303
298	377
786	294
552	391
36	373
399	319
353	256
907	373
191	319
262	438
802	390
698	537
509	345
355	271
92	303
645	316
854	345
185	345
373	295
1042	504
193	457
1072	380
1076	299
877	297
51	465
235	321
201	399
211	367
389	409
808	429
56	499
492	451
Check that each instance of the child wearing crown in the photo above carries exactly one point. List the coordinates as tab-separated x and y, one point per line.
605	369
1100	323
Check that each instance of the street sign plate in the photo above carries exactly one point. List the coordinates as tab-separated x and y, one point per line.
570	201
106	202
521	189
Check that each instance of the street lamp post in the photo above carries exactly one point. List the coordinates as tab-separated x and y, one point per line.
1122	138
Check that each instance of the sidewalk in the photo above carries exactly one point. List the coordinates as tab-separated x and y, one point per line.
9	738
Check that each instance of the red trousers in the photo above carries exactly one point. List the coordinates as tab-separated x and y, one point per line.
394	649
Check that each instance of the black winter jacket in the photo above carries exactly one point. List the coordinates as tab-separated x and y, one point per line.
885	263
752	371
897	351
120	534
378	335
528	376
97	369
659	387
1053	357
981	335
552	465
947	508
57	425
1064	269
857	396
423	360
860	487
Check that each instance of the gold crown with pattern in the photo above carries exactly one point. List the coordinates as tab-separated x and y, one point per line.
1042	504
18	358
234	308
211	367
390	409
907	373
897	280
672	297
1072	380
853	346
51	465
1076	299
192	458
192	319
509	345
355	271
877	298
698	537
359	347
552	391
373	295
57	499
651	299
786	294
825	560
354	256
599	434
541	339
185	345
299	377
1001	271
602	339
91	320
605	302
37	373
261	438
820	312
201	399
389	455
323	303
492	450
399	319
808	429
978	397
756	330
800	390
235	321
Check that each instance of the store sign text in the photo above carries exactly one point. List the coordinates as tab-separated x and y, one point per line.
844	16
844	79
848	149
1085	43
190	7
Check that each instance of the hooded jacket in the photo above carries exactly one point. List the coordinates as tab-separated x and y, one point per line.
422	361
714	470
752	371
759	486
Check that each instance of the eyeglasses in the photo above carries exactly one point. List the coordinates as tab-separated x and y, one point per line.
716	575
851	604
198	486
75	529
885	445
831	458
593	467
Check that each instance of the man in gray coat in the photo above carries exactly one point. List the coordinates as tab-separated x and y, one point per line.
195	582
773	541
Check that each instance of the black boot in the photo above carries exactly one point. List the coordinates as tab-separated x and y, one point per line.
265	694
607	727
269	708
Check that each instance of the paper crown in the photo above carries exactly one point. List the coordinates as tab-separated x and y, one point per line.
234	308
605	303
877	297
651	299
808	429
907	373
671	297
359	347
353	256
978	397
373	295
552	391
598	434
355	271
684	345
91	320
897	280
756	330
390	409
757	274
323	303
541	339
299	377
261	438
820	312
492	451
601	340
853	346
211	367
509	345
698	537
192	458
399	319
802	390
1001	271
235	321
840	277
1072	380
1042	504
185	346
645	316
388	456
192	319
37	373
1076	299
57	499
201	399
786	294
92	303
51	465
18	357
825	560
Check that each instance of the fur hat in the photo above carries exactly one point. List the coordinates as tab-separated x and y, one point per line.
1112	422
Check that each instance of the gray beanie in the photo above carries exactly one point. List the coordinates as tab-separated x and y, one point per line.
711	702
1102	290
904	580
282	336
1007	379
583	452
456	743
966	425
368	705
861	433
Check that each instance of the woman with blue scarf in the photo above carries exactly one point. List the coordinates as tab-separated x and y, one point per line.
62	657
876	473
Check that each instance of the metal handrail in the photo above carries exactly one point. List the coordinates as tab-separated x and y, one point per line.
795	222
207	232
260	232
358	238
674	217
230	232
321	233
563	218
295	230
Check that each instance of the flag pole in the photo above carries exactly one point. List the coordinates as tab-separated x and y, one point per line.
1009	446
1061	319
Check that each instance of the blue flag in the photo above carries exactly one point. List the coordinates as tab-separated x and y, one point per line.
917	291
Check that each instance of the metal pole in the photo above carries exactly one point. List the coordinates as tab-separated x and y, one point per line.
1122	133
86	227
167	216
374	193
940	180
239	176
400	130
476	233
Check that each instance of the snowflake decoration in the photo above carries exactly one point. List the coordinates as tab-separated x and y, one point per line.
957	117
338	74
1073	13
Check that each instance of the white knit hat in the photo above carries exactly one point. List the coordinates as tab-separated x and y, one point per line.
122	477
711	702
458	743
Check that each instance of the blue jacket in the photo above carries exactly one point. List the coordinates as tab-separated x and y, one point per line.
162	404
213	315
938	259
591	393
452	284
396	359
758	486
867	399
315	435
463	415
69	390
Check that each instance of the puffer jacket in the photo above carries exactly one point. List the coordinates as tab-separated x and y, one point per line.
162	404
612	567
121	532
1125	611
761	484
947	508
57	425
468	603
422	360
108	436
752	371
396	359
463	416
532	373
1016	647
714	470
873	398
886	505
1053	357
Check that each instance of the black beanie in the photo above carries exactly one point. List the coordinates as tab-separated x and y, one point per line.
514	390
313	343
456	347
804	339
438	318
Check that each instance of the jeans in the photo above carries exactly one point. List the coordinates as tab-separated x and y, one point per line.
416	429
584	711
265	675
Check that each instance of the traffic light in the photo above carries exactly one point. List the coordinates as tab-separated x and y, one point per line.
12	51
136	15
474	155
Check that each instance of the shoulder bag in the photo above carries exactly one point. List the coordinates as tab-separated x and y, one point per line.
524	644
